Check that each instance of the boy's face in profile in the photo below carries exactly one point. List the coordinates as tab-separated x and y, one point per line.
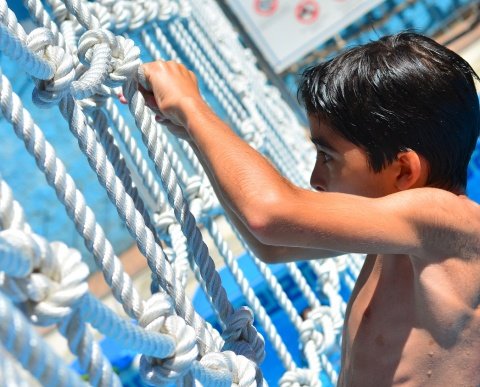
343	167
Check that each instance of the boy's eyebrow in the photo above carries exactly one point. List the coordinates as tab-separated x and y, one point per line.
320	141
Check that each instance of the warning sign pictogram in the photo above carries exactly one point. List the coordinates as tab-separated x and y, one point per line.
287	30
265	7
307	11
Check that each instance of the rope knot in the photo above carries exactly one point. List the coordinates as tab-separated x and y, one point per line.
101	12
122	13
110	60
184	8
241	84
50	90
64	287
168	10
329	274
299	378
163	221
139	17
242	337
55	282
158	316
200	196
228	369
320	328
20	254
250	133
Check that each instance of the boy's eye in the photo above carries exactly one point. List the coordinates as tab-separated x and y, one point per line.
324	157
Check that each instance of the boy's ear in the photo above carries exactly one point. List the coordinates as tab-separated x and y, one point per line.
411	171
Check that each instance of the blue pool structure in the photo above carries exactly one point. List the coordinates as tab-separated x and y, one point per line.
49	219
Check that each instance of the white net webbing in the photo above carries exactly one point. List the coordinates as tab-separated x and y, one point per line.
79	56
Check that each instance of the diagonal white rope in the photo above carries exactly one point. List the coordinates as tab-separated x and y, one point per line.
296	274
228	256
46	304
74	202
142	169
185	218
135	224
215	234
23	342
86	141
15	43
49	291
253	109
221	66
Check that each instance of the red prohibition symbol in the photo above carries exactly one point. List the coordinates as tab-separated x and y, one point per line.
307	11
265	7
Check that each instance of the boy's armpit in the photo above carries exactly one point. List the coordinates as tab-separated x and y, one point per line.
448	224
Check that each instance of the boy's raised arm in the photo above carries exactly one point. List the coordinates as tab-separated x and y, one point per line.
278	213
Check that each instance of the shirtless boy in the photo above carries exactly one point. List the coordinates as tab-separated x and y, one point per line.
394	123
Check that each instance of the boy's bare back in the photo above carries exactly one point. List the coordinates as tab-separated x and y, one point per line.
414	322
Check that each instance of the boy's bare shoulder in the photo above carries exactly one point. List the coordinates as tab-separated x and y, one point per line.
448	224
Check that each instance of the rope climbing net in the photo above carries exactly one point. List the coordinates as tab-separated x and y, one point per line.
80	56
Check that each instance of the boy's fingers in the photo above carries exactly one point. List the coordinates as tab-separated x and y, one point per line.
143	90
160	118
150	101
122	98
148	96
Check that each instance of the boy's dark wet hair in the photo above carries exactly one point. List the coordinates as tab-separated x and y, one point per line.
401	92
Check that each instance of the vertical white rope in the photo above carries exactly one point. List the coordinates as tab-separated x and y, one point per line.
142	169
77	123
44	303
14	43
251	298
297	276
150	136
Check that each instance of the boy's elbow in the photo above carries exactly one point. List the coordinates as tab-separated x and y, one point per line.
263	222
264	230
265	253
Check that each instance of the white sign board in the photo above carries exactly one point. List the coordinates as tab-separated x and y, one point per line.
286	30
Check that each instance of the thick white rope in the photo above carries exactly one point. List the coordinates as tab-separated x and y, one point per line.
297	275
23	342
87	141
228	257
95	56
142	169
186	220
12	373
194	316
74	202
335	299
49	292
251	298
79	123
69	307
147	41
15	43
326	364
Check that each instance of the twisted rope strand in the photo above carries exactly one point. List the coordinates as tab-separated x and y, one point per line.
73	201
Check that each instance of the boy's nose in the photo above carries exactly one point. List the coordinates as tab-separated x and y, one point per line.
319	188
317	184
